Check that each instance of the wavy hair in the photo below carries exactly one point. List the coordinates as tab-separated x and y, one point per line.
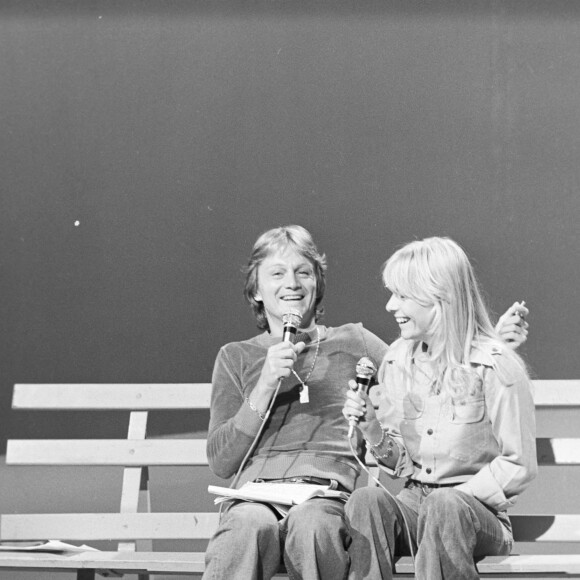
437	272
296	238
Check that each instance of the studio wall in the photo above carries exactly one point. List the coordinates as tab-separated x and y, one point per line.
146	144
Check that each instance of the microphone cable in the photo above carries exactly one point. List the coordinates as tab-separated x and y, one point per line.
291	320
252	446
397	502
256	437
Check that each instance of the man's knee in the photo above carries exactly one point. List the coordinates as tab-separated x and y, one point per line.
316	517
315	538
247	540
250	519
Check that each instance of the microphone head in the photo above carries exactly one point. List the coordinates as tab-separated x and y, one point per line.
365	367
292	318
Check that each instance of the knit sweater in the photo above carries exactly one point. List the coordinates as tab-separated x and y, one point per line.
299	439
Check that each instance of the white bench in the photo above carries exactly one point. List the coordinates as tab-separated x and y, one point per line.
135	526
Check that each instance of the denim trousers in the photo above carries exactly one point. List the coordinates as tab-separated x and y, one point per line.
448	530
251	542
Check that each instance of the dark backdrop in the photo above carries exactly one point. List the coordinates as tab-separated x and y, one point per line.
145	144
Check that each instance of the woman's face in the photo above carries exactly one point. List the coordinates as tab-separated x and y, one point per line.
413	319
286	281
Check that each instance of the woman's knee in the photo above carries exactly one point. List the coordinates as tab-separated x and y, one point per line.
369	500
443	505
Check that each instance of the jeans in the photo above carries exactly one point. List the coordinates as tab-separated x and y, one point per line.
448	530
251	541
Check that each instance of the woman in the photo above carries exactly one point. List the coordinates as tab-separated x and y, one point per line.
455	417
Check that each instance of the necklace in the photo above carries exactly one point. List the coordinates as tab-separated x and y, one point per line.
304	398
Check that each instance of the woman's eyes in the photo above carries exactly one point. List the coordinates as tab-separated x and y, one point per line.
398	297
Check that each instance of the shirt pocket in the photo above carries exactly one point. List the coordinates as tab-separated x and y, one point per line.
471	410
467	429
408	405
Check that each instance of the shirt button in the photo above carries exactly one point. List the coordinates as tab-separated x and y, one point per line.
428	470
429	431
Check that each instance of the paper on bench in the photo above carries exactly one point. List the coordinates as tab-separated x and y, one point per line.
276	493
43	546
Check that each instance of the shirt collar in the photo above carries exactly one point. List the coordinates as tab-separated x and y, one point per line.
481	353
311	336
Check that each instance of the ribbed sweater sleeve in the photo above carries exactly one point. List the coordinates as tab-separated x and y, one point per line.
233	424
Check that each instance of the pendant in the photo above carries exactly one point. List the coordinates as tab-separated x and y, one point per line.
304	393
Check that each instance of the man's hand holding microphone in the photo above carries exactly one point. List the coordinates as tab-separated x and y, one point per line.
278	364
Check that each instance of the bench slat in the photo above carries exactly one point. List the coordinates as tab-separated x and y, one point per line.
193	563
527	528
146	396
558	451
523	564
138	396
551	452
109	526
125	452
563	393
546	528
535	564
127	562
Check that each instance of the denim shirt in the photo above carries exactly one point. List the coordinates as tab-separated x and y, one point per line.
484	439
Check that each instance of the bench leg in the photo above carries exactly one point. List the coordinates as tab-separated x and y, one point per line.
85	575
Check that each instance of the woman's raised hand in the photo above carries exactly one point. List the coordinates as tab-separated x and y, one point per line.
512	325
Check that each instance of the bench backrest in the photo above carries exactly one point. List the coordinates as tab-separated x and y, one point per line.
135	522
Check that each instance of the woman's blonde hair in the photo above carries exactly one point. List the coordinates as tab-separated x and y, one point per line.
437	272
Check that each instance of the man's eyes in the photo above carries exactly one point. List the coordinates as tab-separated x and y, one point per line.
303	273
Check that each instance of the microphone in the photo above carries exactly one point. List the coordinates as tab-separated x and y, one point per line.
365	370
291	320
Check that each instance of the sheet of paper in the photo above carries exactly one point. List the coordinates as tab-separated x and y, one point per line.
43	546
276	493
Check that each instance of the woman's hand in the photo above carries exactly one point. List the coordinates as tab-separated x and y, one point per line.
359	406
512	326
